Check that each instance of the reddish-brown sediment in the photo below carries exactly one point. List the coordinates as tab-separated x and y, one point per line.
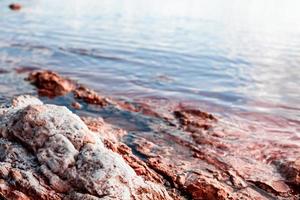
112	137
15	6
202	173
291	171
197	155
51	84
193	120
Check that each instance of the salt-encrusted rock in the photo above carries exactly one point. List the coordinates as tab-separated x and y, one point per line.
198	155
47	152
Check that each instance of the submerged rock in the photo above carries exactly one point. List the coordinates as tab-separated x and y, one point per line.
47	152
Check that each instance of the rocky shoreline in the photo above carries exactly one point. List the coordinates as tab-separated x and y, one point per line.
178	152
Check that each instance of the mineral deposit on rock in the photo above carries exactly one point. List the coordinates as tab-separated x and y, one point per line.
47	152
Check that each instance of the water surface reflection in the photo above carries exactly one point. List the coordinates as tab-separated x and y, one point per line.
241	55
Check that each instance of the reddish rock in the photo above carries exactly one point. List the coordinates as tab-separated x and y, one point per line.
50	83
47	152
15	6
76	105
112	137
106	131
90	96
3	71
291	170
198	156
194	118
210	175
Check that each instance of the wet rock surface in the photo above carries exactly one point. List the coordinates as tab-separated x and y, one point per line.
50	83
195	154
47	152
201	173
90	96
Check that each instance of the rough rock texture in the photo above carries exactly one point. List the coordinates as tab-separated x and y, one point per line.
90	96
50	83
111	137
291	171
15	6
47	152
197	155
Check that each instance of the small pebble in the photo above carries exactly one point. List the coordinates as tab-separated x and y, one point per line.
15	6
76	105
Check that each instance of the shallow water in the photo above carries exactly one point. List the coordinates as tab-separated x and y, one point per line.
239	59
